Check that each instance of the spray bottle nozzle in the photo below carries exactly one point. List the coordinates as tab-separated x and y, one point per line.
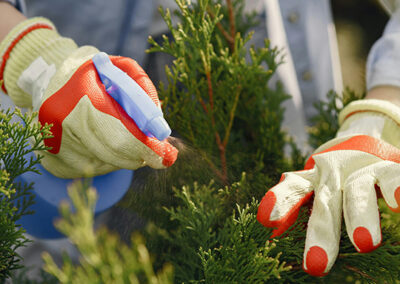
132	98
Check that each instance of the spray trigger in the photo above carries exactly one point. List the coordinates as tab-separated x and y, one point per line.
132	98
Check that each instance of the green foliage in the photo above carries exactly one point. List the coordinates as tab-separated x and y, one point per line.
200	222
218	98
214	242
104	258
16	129
21	276
326	123
206	239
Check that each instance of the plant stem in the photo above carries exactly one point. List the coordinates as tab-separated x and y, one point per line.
226	35
217	172
231	117
232	25
221	146
221	28
210	91
358	271
230	37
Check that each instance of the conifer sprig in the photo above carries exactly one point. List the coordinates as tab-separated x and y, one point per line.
214	81
104	258
19	136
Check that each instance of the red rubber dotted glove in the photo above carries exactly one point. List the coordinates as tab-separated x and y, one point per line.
342	176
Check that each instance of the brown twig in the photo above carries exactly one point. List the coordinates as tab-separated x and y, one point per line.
232	25
231	116
231	41
220	144
229	38
226	35
363	274
222	150
218	173
203	104
294	266
210	89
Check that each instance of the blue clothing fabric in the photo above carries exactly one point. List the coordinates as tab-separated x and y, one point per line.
302	28
119	27
304	32
307	24
383	64
122	27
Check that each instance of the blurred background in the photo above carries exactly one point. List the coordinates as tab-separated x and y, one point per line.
359	23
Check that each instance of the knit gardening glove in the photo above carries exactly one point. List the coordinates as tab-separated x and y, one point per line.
93	134
342	175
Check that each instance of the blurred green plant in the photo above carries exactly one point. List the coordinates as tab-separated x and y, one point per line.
104	258
217	98
17	132
326	122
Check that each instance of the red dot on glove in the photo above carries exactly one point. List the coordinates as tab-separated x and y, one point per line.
397	197
265	209
316	261
363	240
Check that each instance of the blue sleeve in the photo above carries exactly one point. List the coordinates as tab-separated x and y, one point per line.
383	64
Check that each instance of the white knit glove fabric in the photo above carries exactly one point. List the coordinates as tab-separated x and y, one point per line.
93	134
342	175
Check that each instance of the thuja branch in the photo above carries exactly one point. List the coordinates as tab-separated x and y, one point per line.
363	274
225	34
221	145
232	25
229	36
17	130
214	84
231	117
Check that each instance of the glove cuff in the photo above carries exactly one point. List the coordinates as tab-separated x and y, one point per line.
376	118
370	105
31	39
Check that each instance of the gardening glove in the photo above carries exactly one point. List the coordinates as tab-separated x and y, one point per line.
342	175
93	134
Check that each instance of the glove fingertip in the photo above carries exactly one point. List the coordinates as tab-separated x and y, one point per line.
316	262
170	155
265	208
282	224
363	240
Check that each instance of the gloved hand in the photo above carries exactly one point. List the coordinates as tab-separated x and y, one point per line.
93	135
342	175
